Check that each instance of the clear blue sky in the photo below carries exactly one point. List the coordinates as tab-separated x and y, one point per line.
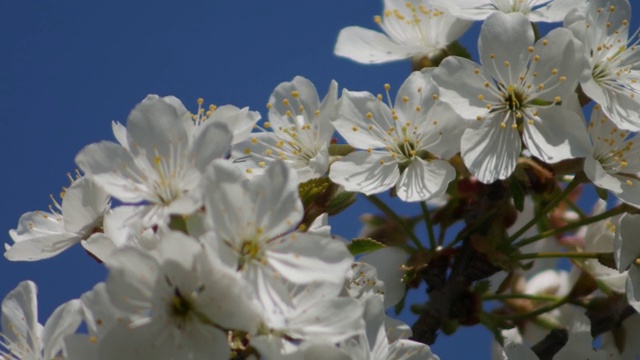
70	67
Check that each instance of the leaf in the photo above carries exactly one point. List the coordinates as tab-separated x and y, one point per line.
518	194
607	260
602	193
364	245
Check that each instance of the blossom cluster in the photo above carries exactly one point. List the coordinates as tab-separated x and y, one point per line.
214	225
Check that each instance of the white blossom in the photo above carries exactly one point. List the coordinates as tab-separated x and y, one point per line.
515	97
613	58
44	234
413	28
534	10
401	146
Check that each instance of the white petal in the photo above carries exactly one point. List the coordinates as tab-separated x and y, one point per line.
368	173
507	37
556	134
423	180
84	203
239	121
626	246
63	321
213	142
489	151
109	165
305	258
371	47
20	317
353	122
388	262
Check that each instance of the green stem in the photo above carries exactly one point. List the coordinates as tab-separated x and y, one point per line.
576	208
605	215
427	221
503	297
557	254
391	214
572	185
536	312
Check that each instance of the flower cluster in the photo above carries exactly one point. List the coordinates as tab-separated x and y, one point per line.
214	225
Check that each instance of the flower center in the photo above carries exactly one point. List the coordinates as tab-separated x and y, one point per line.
180	308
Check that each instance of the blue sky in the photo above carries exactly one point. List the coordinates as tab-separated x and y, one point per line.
70	67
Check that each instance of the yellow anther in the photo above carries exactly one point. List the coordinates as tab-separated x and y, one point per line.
531	122
387	87
269	106
268	152
629	182
536	58
285	102
355	128
506	64
435	122
540	87
476	71
369	115
262	164
254	140
405	99
612	8
288	113
280	143
557	99
200	101
295	94
489	107
379	96
554	71
563	78
530	49
301	108
381	162
545	42
434	97
316	113
492	56
249	171
418	108
503	125
479	118
481	97
377	19
247	151
486	84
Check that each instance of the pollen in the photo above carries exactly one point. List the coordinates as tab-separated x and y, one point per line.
545	42
506	64
629	182
316	113
434	97
418	108
200	101
563	78
295	94
377	19
476	71
247	151
267	124
503	125
285	102
530	49
557	99
405	99
355	128
269	106
254	140
268	152
536	58
481	97
554	71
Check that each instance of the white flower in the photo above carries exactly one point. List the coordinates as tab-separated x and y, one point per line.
317	316
612	74
160	165
627	255
41	235
599	237
253	222
579	345
302	131
22	337
614	163
515	96
413	28
403	145
534	10
176	301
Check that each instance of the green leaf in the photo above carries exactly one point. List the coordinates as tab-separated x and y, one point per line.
364	245
518	194
602	193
